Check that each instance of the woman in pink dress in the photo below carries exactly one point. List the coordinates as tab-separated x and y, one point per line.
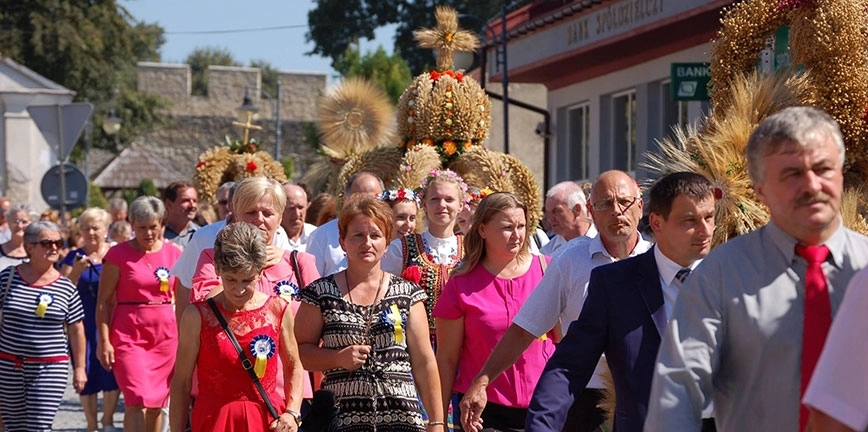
479	302
138	335
260	201
228	399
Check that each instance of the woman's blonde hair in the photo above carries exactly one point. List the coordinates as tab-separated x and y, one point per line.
249	191
94	214
474	244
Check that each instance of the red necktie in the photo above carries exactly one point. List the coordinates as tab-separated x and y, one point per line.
818	317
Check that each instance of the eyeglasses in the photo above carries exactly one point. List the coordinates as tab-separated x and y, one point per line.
46	243
22	221
607	205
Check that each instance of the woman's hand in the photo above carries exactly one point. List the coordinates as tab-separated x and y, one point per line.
472	404
106	354
354	356
284	423
273	255
79	379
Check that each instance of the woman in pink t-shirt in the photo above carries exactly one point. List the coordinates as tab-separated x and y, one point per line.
478	304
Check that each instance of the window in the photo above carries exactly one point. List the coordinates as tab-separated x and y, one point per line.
674	112
624	131
578	141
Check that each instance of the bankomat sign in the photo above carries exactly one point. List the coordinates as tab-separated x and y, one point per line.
689	81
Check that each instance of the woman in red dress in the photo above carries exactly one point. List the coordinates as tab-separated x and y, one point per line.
228	399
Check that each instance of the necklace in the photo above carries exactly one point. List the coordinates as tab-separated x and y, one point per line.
350	291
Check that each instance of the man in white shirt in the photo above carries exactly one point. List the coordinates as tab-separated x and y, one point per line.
293	223
616	207
324	243
626	309
566	213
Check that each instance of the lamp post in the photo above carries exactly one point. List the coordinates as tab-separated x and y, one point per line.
247	110
500	58
111	125
277	132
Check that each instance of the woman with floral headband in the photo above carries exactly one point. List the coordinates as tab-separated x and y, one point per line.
405	205
428	258
465	216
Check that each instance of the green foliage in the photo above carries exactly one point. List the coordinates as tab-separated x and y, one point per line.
288	166
129	195
310	135
269	77
200	59
147	188
390	73
91	48
95	197
334	25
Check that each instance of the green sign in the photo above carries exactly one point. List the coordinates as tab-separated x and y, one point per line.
782	48
689	81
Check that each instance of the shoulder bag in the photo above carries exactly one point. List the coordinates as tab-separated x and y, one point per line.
6	289
295	267
245	362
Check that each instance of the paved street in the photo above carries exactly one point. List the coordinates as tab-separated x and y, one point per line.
70	417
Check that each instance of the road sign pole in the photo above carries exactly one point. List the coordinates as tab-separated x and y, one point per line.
61	161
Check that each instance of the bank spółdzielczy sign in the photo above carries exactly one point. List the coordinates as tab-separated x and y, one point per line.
689	81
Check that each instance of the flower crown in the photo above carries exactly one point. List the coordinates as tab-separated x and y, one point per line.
476	195
398	195
446	174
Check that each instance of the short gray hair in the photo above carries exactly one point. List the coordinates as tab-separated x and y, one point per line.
20	207
226	187
118	204
240	247
791	128
32	232
571	191
146	208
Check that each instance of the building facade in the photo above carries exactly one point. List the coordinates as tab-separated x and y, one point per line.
25	155
606	67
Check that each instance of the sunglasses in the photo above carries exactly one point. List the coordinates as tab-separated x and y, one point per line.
46	243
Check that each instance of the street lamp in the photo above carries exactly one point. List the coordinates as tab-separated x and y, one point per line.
111	125
277	132
500	58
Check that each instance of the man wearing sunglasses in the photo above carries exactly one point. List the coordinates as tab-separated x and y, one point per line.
615	207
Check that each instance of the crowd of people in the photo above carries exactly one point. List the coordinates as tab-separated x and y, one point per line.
273	318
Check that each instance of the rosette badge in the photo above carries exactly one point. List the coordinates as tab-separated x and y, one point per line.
286	290
262	347
43	300
162	275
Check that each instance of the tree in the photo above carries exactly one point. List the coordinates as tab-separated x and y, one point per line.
336	24
200	59
91	48
390	73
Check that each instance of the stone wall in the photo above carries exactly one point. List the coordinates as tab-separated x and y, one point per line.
300	91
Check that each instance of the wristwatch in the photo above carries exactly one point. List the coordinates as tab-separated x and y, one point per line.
295	415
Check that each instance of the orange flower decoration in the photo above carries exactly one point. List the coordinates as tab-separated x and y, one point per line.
428	142
449	148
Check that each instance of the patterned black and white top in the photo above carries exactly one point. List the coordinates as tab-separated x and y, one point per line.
22	331
386	377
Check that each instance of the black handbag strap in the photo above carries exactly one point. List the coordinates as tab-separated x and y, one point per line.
245	362
294	258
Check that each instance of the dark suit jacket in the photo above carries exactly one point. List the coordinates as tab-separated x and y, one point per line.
624	318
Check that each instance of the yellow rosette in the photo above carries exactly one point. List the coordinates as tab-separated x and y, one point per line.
393	317
162	275
42	301
262	347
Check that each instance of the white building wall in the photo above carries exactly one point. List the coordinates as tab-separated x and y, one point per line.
645	78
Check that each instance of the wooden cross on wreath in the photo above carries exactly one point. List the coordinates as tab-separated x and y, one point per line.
247	126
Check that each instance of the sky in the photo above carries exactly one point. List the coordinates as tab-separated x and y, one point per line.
191	24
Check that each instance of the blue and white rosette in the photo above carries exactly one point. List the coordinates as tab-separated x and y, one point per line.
262	347
162	275
43	299
397	320
286	289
